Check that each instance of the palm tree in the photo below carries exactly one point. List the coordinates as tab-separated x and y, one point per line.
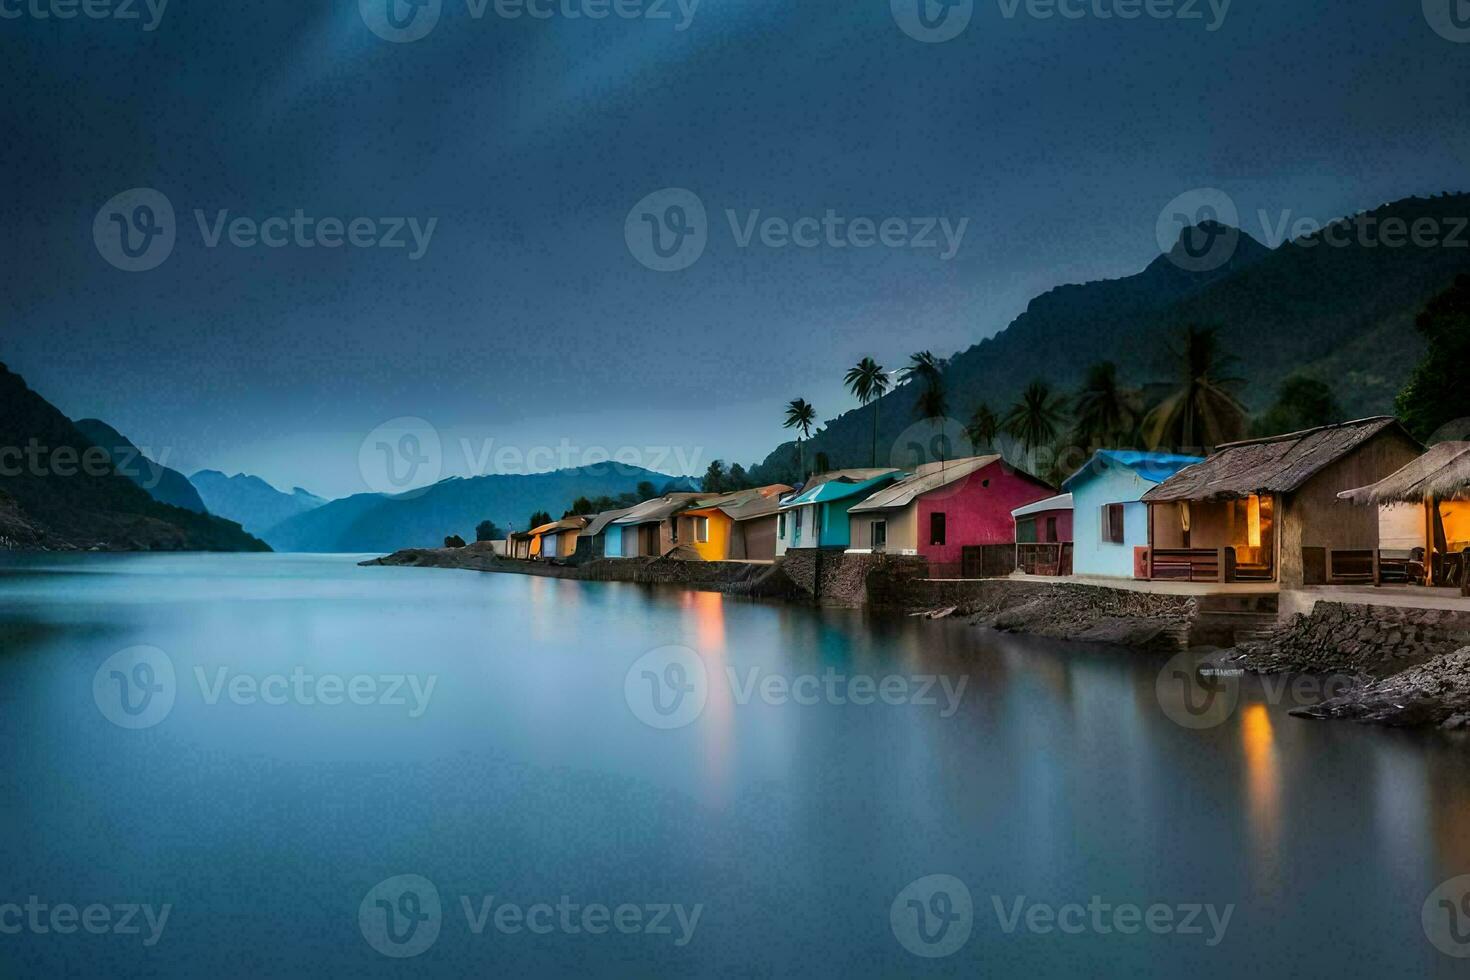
1105	410
932	403
983	427
800	416
1036	417
1203	411
868	381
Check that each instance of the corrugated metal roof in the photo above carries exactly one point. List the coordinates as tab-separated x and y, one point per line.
930	476
565	524
1280	464
742	505
839	485
657	509
1154	467
600	522
1443	472
1062	501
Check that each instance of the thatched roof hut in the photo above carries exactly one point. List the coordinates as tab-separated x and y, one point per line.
1442	473
1279	464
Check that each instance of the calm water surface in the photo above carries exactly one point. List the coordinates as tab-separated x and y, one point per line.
524	774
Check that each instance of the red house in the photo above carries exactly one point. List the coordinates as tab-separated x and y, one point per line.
947	512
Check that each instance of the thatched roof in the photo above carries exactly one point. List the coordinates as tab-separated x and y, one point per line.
1442	473
1279	464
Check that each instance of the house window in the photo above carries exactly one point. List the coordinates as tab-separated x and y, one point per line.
936	529
1112	523
701	530
783	526
798	525
1051	529
878	534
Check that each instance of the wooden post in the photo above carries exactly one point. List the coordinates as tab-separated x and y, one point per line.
1429	509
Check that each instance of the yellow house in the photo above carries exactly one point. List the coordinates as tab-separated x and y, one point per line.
729	525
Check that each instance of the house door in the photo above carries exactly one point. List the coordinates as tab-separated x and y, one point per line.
879	532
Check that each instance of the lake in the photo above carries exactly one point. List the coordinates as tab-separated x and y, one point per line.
272	765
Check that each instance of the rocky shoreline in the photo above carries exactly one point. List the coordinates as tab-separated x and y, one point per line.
1412	665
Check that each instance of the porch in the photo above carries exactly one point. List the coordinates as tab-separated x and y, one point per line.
1235	540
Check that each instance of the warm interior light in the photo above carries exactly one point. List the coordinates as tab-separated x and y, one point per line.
1253	521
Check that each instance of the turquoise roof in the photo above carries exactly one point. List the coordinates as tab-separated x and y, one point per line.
1154	467
839	490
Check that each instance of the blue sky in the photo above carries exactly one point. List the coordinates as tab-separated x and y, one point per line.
528	319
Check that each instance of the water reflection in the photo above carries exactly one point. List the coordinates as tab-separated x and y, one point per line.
1058	777
1263	788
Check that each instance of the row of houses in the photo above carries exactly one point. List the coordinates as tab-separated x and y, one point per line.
1356	502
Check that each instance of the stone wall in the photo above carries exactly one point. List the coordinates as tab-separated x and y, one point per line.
1371	640
835	578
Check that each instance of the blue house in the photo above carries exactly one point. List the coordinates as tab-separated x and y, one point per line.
1109	518
817	516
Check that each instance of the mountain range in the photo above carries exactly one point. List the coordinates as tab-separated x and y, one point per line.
60	490
369	522
1337	307
163	484
250	501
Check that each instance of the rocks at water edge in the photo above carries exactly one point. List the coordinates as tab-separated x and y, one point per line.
1436	692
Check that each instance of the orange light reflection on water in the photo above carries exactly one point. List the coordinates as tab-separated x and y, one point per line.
1263	787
